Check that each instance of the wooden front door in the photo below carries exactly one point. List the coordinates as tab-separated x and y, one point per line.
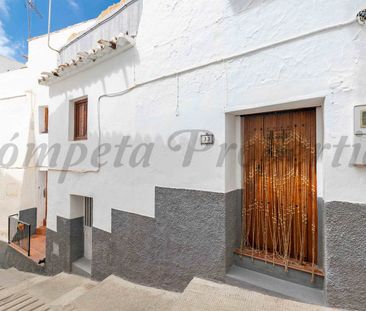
280	199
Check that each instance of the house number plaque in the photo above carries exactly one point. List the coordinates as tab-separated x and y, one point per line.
207	139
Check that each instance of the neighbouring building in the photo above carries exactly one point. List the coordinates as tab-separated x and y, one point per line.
24	135
220	139
7	64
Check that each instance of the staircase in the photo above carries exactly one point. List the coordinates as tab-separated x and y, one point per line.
23	291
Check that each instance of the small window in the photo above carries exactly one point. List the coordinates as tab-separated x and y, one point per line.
88	212
43	119
81	119
363	119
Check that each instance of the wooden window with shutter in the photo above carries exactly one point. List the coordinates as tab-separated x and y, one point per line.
81	119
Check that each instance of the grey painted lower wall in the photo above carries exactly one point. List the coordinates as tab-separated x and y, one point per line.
186	239
9	258
345	255
233	224
193	234
29	216
102	254
64	246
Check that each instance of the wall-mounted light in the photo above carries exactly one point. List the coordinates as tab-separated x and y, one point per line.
361	17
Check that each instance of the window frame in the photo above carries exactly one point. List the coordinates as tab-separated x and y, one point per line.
44	119
77	120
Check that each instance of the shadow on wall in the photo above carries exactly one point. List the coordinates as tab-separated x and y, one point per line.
122	73
239	6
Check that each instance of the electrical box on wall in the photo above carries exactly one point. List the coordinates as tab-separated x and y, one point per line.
360	120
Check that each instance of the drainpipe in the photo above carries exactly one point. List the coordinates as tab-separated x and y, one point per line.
49	26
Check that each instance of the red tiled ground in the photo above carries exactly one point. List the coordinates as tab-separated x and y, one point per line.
38	246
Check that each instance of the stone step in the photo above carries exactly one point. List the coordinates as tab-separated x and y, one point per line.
209	296
11	277
19	303
266	284
34	292
55	287
22	287
65	300
82	267
117	294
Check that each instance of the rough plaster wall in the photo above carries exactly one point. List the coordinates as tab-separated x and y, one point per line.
64	246
186	239
10	258
233	227
29	216
102	255
345	255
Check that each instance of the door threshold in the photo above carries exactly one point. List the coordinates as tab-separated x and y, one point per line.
82	267
269	285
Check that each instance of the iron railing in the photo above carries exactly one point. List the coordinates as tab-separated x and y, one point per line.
125	20
19	233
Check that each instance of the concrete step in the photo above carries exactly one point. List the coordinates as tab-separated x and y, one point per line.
21	302
64	301
34	292
209	296
11	277
266	284
55	287
22	286
82	267
117	294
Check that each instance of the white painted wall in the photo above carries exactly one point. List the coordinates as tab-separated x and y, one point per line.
17	184
7	64
288	52
20	99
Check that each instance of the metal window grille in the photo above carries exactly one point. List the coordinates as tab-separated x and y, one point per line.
88	210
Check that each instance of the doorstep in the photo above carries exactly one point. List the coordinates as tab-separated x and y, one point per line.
82	267
266	284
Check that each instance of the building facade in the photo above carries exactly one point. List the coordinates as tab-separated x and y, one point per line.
24	135
186	138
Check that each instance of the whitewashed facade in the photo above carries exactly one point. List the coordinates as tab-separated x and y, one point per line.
190	68
23	180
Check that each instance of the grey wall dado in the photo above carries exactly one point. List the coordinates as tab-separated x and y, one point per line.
193	234
102	254
64	246
186	239
29	216
233	224
345	238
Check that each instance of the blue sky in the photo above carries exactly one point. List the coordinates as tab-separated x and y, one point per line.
13	20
